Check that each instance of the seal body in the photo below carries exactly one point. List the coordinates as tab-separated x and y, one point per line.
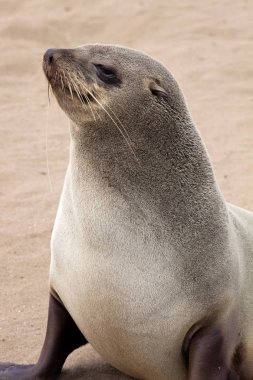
144	247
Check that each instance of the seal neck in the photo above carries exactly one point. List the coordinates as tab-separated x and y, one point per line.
172	183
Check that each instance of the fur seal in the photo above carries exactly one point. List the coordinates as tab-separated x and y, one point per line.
149	263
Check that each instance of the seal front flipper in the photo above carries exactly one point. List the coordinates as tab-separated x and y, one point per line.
62	337
208	357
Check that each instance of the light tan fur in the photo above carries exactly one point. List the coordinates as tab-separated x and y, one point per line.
144	245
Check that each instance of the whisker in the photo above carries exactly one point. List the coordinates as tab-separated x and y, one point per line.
62	85
48	92
112	119
66	81
78	92
70	90
87	100
80	96
90	106
46	144
122	125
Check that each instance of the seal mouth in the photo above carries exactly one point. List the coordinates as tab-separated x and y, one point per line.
62	82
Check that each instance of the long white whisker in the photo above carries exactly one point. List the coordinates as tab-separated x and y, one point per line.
75	81
119	129
62	84
46	144
70	90
88	102
122	125
90	106
80	97
112	119
48	93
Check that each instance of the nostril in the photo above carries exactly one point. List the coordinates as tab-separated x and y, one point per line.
49	56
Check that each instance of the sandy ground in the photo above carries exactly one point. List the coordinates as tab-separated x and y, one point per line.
208	45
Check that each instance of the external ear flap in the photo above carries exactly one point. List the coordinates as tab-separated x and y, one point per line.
157	89
207	356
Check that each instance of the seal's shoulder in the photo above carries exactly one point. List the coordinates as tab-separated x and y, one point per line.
242	218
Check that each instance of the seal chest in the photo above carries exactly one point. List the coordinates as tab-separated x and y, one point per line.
122	283
144	245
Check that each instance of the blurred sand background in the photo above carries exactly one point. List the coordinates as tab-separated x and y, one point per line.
208	45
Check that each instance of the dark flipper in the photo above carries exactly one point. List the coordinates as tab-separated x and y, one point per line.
207	356
62	337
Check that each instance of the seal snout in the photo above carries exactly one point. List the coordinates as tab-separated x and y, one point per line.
50	59
52	55
49	56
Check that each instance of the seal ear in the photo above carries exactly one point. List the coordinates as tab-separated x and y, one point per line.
157	89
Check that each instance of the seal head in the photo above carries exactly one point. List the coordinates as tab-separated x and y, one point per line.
94	76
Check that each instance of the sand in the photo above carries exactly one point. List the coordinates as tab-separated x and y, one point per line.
208	45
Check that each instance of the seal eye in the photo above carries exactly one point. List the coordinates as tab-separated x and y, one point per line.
107	74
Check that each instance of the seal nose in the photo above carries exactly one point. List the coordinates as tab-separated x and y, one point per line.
49	56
